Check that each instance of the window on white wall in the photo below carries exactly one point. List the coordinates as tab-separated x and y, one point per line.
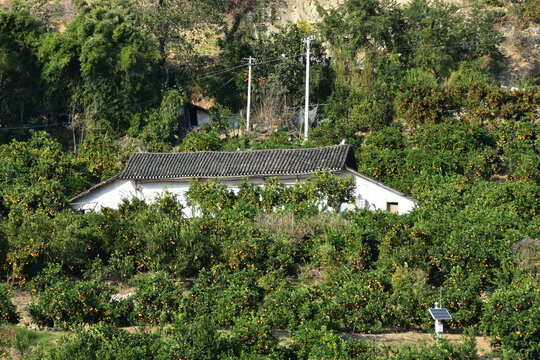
392	207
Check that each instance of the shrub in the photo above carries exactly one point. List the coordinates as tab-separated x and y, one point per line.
410	297
8	311
420	100
156	299
36	240
195	338
354	302
466	350
313	342
461	294
253	335
105	341
512	318
223	294
23	339
37	174
99	153
290	306
63	303
201	141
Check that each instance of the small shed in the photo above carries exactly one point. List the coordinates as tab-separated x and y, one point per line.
192	115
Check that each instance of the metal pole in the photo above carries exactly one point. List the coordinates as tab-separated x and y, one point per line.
437	326
306	110
437	331
250	59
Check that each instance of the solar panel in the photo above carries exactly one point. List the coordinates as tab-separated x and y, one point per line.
440	314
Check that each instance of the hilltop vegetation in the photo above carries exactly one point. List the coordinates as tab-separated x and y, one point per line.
413	88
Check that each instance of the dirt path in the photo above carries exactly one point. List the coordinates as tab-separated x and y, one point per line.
21	299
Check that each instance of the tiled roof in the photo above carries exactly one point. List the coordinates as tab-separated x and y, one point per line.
271	162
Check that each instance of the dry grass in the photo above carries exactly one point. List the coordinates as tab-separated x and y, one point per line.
295	231
270	112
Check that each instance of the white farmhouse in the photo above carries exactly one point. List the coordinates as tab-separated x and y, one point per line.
148	174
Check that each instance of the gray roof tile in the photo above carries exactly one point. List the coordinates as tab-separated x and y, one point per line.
269	162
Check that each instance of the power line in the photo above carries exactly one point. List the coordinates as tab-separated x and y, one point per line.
219	88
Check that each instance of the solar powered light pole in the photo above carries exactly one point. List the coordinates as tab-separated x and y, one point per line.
438	314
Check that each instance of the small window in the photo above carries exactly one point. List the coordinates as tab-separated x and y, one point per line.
392	207
361	203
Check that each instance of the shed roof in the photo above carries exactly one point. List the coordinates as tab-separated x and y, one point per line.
270	162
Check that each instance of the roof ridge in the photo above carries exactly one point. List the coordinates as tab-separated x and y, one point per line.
242	151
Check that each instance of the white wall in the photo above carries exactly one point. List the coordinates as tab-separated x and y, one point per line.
377	196
149	190
202	118
109	195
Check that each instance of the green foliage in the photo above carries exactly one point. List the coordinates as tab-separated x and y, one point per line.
20	71
37	174
99	153
421	100
283	307
8	311
333	132
461	298
527	11
273	257
322	189
101	66
252	335
278	73
223	295
512	316
105	341
209	196
466	350
329	189
195	339
355	305
518	141
410	296
201	141
156	299
66	304
313	342
23	339
36	240
162	126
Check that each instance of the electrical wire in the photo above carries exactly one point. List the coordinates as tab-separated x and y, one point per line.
219	88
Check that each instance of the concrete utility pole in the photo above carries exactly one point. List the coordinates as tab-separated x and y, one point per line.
306	110
250	59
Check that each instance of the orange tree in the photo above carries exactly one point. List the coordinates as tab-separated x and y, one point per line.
8	311
37	174
512	318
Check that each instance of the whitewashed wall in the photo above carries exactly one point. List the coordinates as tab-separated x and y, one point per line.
377	196
202	118
109	195
368	192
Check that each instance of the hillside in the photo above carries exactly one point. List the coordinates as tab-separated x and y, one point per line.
269	270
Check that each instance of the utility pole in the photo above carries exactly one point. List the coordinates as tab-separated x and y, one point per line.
250	62
306	110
